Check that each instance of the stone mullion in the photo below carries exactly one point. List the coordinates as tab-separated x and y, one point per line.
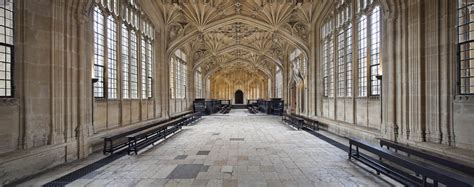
119	67
141	100
335	53
355	61
106	69
368	67
106	58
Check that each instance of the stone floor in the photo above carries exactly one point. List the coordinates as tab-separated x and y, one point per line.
238	149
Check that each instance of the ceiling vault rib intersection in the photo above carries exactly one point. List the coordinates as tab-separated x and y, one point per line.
249	35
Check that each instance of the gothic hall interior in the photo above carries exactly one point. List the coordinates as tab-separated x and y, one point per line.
236	92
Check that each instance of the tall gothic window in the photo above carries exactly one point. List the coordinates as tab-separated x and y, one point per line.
348	31
375	58
149	68
144	66
337	38
112	57
133	65
198	83
362	60
344	49
279	83
341	65
369	48
328	59
6	48
147	57
125	63
99	52
466	46
178	72
136	37
172	65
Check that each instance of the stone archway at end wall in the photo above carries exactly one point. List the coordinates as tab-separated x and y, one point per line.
239	97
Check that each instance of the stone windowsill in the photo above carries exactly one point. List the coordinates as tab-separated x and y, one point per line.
8	101
464	99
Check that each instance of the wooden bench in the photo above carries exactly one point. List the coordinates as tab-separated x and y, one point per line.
429	156
192	118
308	123
225	109
120	141
146	137
292	120
252	109
117	142
425	170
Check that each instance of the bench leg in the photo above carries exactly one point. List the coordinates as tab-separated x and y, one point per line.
350	151
105	146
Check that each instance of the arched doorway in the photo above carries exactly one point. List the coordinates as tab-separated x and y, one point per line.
239	97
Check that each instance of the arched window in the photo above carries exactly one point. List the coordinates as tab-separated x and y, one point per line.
178	75
336	42
99	52
278	83
466	46
362	58
136	37
147	59
112	57
125	63
369	48
344	49
198	83
328	58
133	65
6	48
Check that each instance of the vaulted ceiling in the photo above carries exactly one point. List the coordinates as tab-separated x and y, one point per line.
245	35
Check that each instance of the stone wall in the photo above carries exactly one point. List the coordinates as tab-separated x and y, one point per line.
420	103
53	119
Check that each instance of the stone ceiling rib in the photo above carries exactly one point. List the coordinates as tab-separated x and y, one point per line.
226	34
232	48
234	63
298	42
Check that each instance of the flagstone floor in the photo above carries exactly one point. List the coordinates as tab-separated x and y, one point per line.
238	149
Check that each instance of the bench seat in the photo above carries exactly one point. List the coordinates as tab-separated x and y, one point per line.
419	168
146	137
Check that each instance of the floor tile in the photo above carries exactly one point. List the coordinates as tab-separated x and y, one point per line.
185	171
203	152
235	150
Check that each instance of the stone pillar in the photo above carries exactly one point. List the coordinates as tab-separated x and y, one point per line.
389	85
285	72
416	104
